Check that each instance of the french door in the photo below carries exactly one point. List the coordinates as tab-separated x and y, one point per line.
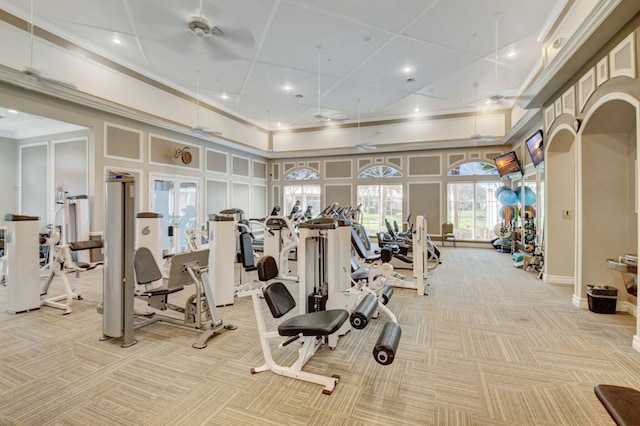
178	200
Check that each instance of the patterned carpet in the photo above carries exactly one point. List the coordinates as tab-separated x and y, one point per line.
490	345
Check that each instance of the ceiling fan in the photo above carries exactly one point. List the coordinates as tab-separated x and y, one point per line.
30	73
219	36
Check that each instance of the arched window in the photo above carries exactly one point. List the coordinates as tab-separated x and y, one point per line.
380	172
302	174
307	193
476	168
380	201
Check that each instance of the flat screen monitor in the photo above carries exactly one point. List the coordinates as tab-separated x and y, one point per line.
508	165
536	150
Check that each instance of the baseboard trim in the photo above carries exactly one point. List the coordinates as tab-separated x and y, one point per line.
636	343
558	279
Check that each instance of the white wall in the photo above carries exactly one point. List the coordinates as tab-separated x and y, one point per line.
8	180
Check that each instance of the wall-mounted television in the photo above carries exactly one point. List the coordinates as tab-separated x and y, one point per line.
508	165
536	150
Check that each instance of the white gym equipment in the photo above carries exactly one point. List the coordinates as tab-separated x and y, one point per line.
120	275
222	236
384	272
25	291
324	252
22	263
60	264
324	259
68	248
280	239
74	216
197	239
421	256
311	329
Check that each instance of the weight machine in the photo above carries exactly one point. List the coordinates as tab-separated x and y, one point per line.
384	272
25	292
120	275
324	257
280	239
315	328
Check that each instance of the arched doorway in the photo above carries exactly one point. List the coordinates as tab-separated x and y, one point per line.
607	194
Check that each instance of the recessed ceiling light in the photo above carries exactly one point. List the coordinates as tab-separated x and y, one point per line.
116	40
417	109
224	96
279	124
407	69
511	54
12	111
287	88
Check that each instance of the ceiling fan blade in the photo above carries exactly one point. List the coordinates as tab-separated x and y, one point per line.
217	51
35	75
363	147
483	138
237	37
68	23
205	132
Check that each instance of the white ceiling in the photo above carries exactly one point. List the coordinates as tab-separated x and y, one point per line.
19	125
353	53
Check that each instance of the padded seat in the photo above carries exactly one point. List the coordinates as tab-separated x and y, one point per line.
322	323
621	403
280	301
360	248
147	271
246	252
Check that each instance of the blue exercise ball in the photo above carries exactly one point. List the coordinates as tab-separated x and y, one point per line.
529	196
508	197
499	190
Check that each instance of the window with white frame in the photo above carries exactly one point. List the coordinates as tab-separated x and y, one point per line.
472	207
381	200
304	192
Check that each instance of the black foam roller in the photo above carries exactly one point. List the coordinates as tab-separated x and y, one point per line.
385	349
386	255
364	311
387	292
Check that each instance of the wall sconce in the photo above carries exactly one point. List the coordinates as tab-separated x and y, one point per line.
183	154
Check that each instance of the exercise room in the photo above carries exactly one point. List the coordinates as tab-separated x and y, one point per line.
292	213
